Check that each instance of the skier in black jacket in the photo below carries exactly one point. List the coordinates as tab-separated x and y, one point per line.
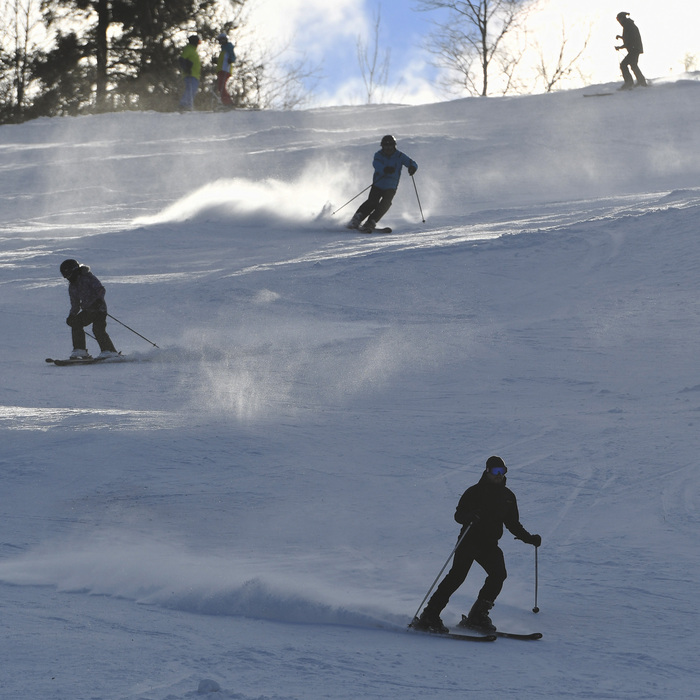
87	306
482	511
632	41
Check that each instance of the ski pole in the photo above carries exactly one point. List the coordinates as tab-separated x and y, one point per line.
437	578
350	200
536	609
418	198
358	194
133	331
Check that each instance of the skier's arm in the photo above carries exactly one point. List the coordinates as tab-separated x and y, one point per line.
467	509
410	164
74	301
512	522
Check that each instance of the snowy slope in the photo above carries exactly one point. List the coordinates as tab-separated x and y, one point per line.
263	501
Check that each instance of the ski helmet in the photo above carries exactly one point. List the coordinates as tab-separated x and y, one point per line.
622	16
389	140
495	462
68	267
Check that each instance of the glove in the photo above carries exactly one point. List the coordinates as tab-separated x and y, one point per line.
535	540
412	170
70	320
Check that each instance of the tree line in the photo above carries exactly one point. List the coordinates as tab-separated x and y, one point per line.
71	57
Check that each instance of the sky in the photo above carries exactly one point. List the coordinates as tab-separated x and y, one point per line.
326	34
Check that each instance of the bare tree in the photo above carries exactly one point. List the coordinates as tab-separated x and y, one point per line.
19	25
472	37
375	71
565	63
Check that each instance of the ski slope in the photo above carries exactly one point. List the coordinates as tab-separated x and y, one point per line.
255	509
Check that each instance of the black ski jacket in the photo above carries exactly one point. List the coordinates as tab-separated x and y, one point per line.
631	38
488	507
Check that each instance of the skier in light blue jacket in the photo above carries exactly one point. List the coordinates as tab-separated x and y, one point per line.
387	170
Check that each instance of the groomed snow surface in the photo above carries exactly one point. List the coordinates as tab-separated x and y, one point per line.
255	509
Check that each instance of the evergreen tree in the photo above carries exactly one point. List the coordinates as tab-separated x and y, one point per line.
123	53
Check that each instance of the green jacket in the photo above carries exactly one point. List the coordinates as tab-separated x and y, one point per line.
190	54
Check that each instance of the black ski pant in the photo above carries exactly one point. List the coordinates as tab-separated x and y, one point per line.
630	61
377	204
97	316
489	557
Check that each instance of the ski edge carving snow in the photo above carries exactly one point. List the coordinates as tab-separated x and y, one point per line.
503	635
454	635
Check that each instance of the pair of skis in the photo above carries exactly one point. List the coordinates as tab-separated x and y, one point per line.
490	636
87	360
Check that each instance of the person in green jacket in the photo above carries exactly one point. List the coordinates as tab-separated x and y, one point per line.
191	68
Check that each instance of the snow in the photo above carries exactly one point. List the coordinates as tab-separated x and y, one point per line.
255	509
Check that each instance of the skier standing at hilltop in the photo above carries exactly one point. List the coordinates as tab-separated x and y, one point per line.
191	67
632	41
387	164
224	61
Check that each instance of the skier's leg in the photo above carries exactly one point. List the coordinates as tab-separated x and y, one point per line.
221	80
463	559
370	204
77	323
383	205
99	328
78	337
191	87
624	67
641	80
494	565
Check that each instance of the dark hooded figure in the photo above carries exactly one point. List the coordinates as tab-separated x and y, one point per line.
632	42
482	511
87	306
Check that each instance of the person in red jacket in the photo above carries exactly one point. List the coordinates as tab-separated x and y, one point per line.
632	41
224	61
482	511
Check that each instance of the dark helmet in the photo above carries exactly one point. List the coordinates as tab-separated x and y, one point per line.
69	267
388	140
622	16
496	463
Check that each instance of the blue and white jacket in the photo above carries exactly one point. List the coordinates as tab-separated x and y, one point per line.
390	181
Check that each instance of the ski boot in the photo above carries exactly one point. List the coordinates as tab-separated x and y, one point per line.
478	618
369	226
355	222
80	354
429	621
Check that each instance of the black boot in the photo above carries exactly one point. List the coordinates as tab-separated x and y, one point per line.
478	618
429	621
